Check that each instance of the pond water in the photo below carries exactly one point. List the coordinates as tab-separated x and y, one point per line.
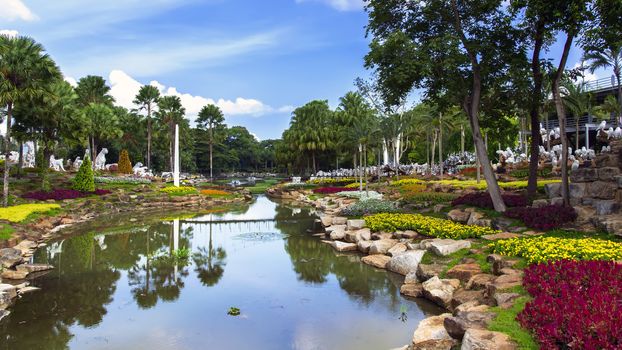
121	289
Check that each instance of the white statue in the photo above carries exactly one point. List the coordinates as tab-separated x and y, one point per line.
100	161
56	164
77	163
141	170
29	155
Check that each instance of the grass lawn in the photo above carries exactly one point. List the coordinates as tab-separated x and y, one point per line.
6	232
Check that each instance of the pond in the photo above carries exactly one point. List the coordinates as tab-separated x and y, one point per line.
123	288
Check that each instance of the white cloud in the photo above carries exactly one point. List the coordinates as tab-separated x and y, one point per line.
587	75
72	81
9	33
341	5
15	10
124	88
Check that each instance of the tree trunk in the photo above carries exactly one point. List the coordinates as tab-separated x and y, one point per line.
314	167
561	116
149	136
434	137
7	153
365	168
534	109
20	165
440	143
360	169
462	139
45	167
211	152
94	152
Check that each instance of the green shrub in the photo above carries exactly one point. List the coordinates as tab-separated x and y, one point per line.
125	165
371	206
84	180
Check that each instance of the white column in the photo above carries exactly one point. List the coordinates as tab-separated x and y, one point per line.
176	166
175	242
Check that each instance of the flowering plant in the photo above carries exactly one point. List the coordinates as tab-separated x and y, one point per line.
543	218
483	200
61	194
425	225
179	191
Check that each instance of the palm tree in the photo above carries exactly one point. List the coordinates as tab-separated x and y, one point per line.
605	58
170	112
310	130
352	114
92	89
25	69
577	101
146	99
211	117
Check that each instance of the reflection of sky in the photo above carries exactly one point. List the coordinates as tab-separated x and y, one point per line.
261	209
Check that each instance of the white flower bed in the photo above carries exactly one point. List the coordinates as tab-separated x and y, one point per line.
360	195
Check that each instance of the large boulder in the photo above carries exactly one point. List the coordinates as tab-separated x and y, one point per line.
480	339
377	260
30	268
356	236
456	326
459	215
431	334
397	249
381	246
336	232
9	290
608	173
405	262
444	247
339	220
464	272
440	291
10	257
427	271
363	246
13	274
343	246
413	290
504	282
603	190
355	224
462	296
604	207
583	175
327	220
479	281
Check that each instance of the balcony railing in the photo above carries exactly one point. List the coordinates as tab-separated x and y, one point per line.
600	84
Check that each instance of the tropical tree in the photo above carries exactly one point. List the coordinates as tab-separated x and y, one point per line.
170	112
25	69
308	129
603	58
578	102
93	89
353	122
146	99
210	117
102	124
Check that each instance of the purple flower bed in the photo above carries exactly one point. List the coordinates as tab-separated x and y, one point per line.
543	218
332	190
61	194
576	305
483	200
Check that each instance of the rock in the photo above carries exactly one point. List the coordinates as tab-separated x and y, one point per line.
9	290
339	220
427	271
336	232
381	246
381	235
363	246
30	268
438	208
479	281
459	215
413	290
456	326
577	190
5	301
509	271
444	247
431	334
474	217
582	175
343	246
408	234
584	214
505	300
10	257
355	224
27	290
502	235
503	282
553	190
327	220
376	260
497	263
605	207
397	249
608	173
462	296
405	262
464	272
603	190
440	291
539	203
4	313
411	277
13	275
480	339
358	235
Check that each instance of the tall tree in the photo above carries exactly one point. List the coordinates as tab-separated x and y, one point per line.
92	90
170	112
309	129
146	99
210	117
456	51
25	69
103	125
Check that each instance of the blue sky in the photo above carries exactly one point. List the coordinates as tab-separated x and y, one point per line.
255	59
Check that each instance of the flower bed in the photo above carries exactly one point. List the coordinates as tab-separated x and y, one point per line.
483	200
543	218
121	180
360	195
332	181
179	191
425	225
215	193
19	213
371	206
543	249
428	197
577	305
355	185
332	190
466	184
62	194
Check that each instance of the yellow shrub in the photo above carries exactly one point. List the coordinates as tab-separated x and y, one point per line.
19	213
179	191
542	249
425	225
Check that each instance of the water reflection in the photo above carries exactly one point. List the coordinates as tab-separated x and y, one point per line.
122	288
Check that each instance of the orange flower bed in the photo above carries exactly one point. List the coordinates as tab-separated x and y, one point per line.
414	188
211	192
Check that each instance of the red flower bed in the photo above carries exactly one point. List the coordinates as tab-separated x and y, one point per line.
576	305
543	218
61	194
483	200
331	190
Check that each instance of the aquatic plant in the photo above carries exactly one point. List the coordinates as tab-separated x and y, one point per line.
233	311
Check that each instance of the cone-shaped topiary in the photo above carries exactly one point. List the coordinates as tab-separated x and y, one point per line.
84	180
125	165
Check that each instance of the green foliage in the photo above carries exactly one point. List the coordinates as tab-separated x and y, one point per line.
125	165
506	322
84	181
6	232
370	206
233	311
19	213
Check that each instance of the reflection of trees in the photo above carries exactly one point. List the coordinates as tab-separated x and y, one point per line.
209	262
76	292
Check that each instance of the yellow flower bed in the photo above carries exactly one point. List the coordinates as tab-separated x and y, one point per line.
215	193
19	213
331	181
179	191
355	185
464	184
425	225
542	249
